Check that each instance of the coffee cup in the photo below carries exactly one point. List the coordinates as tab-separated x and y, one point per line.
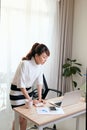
28	103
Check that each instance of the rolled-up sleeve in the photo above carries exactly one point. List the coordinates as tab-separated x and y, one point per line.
21	76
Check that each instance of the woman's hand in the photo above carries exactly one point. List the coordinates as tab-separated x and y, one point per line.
42	100
35	101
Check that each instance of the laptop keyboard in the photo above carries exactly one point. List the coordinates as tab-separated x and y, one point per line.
58	103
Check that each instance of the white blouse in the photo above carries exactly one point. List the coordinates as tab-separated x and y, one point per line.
27	73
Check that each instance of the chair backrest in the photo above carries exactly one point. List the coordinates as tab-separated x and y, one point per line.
45	90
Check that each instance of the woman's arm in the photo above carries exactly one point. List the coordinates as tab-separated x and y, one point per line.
39	88
25	93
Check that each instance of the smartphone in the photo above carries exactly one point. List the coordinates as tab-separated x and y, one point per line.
52	108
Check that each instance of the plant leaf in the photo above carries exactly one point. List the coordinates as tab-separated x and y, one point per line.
67	72
74	60
74	83
77	69
73	70
79	73
68	59
66	65
78	64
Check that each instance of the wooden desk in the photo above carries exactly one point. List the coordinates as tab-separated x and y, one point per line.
44	120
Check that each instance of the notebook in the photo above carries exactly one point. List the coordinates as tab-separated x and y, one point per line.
70	98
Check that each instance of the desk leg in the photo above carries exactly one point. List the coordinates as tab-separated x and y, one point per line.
77	123
16	124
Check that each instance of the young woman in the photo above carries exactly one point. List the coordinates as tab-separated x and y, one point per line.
28	72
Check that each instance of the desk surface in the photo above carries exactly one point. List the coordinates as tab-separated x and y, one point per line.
39	120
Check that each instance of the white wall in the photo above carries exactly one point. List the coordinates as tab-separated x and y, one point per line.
80	34
80	53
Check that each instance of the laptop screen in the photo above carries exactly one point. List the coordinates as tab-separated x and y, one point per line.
70	98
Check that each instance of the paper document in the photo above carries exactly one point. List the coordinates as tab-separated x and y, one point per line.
46	110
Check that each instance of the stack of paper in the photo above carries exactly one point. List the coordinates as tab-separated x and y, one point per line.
46	110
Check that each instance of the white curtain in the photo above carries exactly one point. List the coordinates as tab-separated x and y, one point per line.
24	22
66	12
0	9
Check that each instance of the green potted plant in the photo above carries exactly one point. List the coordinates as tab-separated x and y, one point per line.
71	68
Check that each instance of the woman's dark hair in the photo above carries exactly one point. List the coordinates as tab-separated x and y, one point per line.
37	48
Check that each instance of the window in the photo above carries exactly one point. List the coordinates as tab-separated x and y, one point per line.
24	22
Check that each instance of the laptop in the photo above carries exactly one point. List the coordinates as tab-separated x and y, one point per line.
70	98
